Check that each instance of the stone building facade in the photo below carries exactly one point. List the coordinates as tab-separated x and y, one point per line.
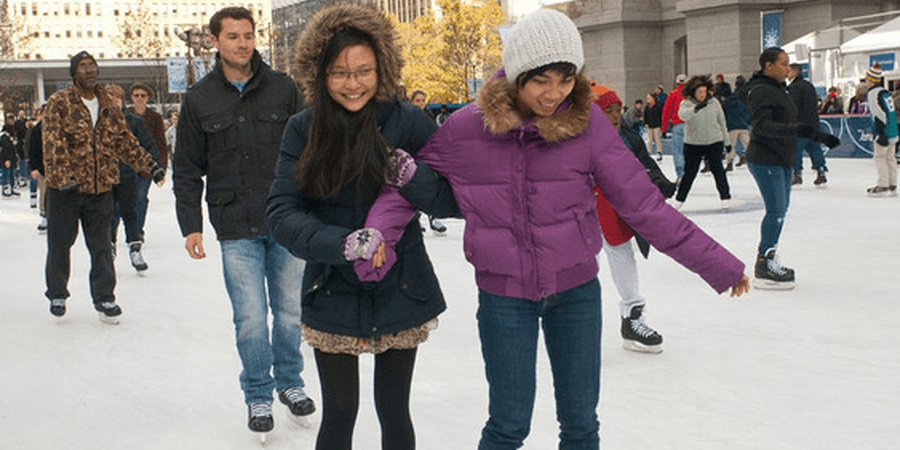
633	45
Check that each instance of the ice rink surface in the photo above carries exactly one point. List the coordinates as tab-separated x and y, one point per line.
812	368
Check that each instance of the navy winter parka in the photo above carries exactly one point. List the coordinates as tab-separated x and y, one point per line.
334	300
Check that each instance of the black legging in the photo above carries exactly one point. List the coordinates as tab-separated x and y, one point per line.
339	377
693	155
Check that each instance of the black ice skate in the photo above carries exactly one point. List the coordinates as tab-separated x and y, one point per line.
109	312
770	274
820	177
299	404
438	226
58	307
137	259
260	419
637	336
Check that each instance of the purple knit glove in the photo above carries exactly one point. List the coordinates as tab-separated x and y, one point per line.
404	167
362	243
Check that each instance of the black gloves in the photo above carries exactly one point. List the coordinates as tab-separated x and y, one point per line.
830	140
158	174
700	106
813	133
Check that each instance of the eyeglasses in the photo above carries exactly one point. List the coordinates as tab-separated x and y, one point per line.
342	76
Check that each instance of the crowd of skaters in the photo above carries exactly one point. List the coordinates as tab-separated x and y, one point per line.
325	197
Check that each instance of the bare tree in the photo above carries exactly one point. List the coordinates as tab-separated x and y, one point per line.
142	35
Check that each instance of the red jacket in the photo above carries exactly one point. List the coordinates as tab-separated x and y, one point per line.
614	229
670	109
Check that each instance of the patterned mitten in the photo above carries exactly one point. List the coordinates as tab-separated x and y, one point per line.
362	244
402	167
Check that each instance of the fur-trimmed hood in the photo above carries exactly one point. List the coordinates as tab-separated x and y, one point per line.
324	24
497	102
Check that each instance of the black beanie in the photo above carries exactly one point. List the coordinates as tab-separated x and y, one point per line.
73	63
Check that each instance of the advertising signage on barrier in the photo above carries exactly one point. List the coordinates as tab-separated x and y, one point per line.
856	134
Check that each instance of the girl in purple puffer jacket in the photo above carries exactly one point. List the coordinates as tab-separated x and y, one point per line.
519	166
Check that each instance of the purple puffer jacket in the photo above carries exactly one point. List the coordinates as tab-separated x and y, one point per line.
525	192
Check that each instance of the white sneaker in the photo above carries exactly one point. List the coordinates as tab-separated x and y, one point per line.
726	204
677	205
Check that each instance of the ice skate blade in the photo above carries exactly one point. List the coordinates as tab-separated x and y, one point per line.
300	421
769	285
634	346
107	319
261	436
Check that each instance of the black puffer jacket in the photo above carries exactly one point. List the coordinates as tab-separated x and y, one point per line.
773	121
232	139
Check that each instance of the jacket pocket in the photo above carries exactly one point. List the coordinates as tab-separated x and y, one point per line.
216	128
218	204
271	123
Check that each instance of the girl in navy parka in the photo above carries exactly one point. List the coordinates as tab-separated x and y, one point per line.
521	163
331	166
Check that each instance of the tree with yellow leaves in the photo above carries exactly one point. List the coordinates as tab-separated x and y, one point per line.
443	54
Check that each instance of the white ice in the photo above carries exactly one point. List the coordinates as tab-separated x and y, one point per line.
813	368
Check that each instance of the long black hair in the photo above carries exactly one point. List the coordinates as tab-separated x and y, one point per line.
336	157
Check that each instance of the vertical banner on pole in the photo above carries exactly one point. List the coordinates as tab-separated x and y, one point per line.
771	29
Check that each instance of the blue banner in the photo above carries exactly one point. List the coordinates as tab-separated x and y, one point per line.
885	59
771	29
857	133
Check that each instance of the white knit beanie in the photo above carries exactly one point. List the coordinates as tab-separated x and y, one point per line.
543	37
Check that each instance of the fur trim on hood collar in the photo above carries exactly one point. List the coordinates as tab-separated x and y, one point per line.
324	24
497	102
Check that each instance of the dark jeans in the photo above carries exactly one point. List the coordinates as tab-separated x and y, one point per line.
774	184
693	155
814	149
64	211
509	329
339	376
124	194
141	202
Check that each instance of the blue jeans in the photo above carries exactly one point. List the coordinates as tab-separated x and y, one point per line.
678	148
8	176
815	154
508	328
775	187
250	266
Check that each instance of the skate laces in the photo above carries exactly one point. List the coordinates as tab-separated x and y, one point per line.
294	395
641	328
260	409
775	265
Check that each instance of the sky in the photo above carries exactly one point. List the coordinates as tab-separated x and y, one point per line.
811	368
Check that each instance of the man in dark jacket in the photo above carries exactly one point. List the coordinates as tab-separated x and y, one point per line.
229	131
803	93
126	192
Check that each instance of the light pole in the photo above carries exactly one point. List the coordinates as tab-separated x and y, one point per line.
197	40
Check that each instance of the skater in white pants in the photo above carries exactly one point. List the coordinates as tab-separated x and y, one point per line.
636	334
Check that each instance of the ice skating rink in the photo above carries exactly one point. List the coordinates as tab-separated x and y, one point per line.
813	368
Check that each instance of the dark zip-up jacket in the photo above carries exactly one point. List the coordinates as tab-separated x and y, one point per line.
231	138
139	129
773	122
